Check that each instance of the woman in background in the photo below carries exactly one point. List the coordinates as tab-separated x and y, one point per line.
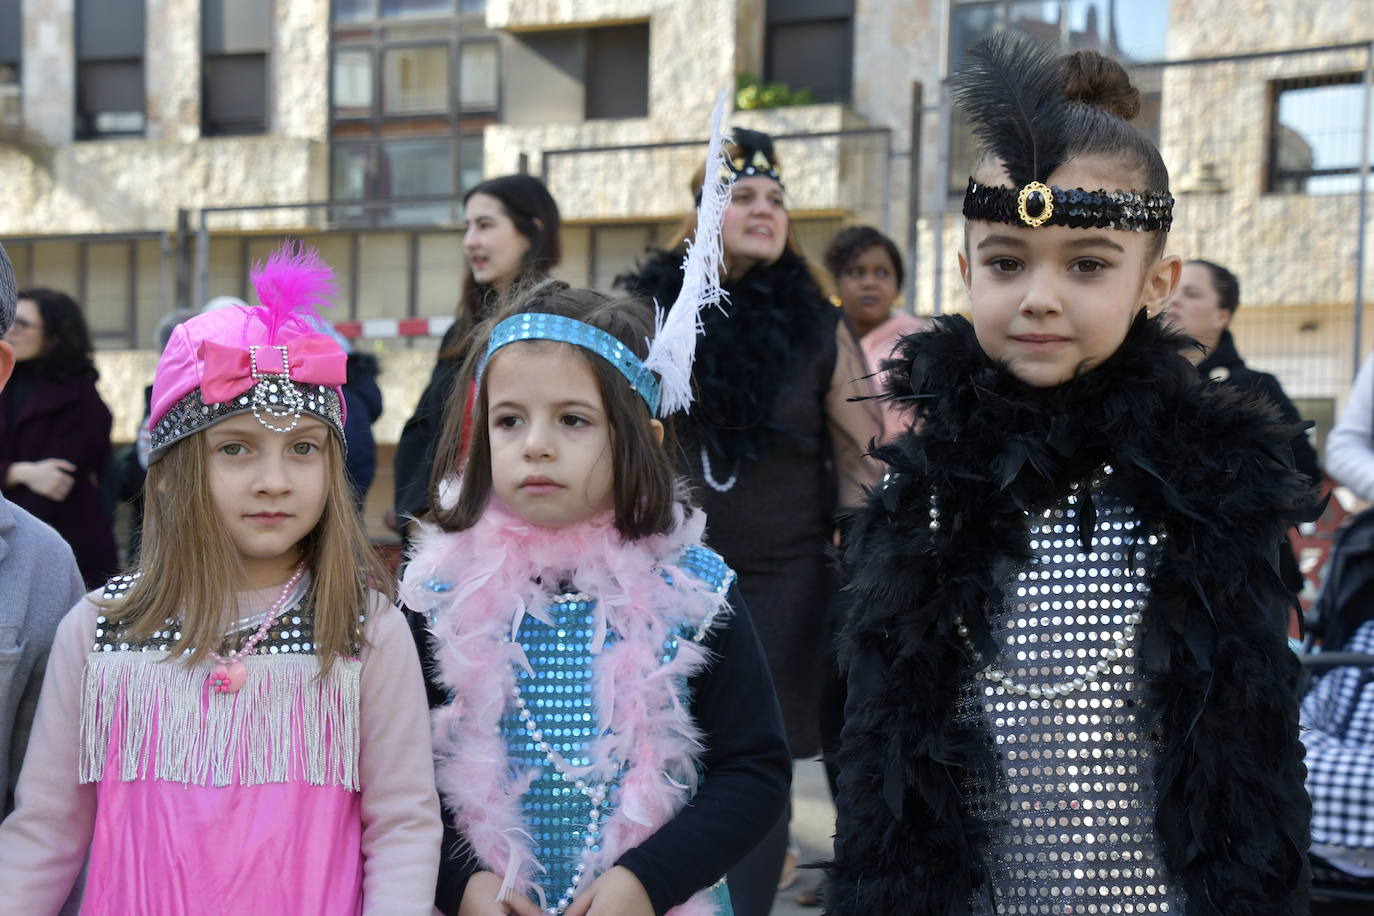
55	429
512	238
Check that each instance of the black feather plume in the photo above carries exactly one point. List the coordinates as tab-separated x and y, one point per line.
1011	90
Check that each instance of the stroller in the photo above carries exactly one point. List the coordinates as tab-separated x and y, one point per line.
1338	720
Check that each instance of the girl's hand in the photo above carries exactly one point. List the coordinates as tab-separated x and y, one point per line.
51	477
479	899
616	893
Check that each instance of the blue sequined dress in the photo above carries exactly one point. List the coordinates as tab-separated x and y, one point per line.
550	725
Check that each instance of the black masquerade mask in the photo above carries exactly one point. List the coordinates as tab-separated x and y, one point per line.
1012	91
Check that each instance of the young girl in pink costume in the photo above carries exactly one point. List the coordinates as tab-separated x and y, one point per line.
239	727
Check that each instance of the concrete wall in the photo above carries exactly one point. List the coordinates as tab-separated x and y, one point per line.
138	184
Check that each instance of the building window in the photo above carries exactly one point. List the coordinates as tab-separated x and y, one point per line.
353	83
617	83
109	60
416	8
1134	33
479	71
1314	135
415	80
470	162
809	44
355	10
234	43
11	52
420	170
572	74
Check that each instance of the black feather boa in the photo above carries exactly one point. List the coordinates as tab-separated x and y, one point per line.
1208	465
776	319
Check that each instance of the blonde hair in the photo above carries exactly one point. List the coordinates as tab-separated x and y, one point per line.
190	569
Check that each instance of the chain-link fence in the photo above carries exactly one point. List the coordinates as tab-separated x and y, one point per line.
1269	157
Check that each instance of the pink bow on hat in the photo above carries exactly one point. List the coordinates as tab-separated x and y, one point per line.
313	359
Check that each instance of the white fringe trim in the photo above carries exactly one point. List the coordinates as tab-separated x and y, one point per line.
285	725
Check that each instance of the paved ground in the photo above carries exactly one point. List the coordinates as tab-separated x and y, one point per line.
813	824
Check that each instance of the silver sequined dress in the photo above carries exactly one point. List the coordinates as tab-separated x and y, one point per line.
1072	821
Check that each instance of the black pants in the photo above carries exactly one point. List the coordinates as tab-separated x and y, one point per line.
753	882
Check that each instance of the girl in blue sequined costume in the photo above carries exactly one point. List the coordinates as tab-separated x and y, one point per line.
591	665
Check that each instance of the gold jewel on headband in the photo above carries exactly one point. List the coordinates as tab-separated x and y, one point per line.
1038	196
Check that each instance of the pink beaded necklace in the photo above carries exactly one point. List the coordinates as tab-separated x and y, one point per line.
230	674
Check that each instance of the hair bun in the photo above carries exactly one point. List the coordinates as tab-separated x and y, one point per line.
1099	81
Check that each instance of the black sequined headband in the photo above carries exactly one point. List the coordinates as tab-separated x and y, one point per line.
1037	204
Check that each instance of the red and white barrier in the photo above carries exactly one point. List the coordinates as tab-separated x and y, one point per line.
382	328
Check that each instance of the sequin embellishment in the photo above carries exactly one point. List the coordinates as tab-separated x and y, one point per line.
1071	822
552	714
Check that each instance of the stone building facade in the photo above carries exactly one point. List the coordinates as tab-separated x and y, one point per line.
606	99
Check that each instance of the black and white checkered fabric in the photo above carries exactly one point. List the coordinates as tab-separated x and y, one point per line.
1338	715
8	292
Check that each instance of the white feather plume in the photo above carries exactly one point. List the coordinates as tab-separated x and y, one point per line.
675	331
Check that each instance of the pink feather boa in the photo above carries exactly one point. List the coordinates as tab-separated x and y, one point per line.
491	570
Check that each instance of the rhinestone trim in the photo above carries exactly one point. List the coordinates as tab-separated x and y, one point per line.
274	395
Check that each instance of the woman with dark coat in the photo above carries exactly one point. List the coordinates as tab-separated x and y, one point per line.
55	429
774	448
512	238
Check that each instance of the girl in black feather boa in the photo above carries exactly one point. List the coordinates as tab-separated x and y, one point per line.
1068	462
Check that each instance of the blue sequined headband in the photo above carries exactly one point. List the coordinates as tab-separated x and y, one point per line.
543	326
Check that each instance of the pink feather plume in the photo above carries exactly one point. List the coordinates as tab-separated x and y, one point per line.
292	286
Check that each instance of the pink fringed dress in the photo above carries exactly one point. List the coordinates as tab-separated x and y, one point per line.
297	794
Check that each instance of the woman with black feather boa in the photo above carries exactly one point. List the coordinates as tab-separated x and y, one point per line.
773	446
1070	685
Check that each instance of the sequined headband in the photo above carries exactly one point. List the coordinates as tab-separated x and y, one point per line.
1038	204
280	399
543	326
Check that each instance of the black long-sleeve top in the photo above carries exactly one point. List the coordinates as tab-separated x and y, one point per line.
415	450
746	766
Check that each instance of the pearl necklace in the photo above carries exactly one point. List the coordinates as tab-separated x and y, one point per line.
596	794
1093	673
718	486
1102	662
230	674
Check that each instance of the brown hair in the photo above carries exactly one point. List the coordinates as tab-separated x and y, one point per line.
688	228
1101	125
644	483
534	213
188	561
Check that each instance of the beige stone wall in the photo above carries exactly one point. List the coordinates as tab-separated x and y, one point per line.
49	77
171	66
298	77
1204	28
128	185
139	184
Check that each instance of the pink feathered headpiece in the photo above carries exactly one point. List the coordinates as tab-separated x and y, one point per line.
270	359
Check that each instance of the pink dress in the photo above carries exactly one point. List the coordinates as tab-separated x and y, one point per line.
878	345
297	794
